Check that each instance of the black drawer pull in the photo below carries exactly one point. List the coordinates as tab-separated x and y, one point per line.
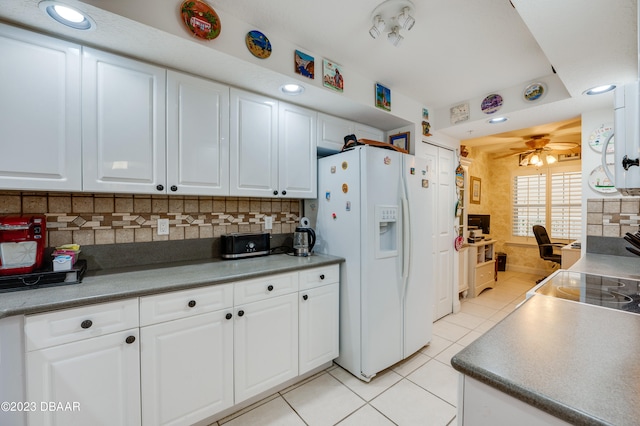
240	313
160	187
191	303
305	297
270	287
228	316
275	192
174	188
86	324
130	339
322	277
284	192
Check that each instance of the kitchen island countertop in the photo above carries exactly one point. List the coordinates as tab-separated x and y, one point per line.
107	286
575	361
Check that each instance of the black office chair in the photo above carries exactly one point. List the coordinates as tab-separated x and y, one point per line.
546	247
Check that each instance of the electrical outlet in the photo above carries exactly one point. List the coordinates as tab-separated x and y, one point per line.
163	226
268	222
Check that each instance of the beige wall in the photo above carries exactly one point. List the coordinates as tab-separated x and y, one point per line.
89	219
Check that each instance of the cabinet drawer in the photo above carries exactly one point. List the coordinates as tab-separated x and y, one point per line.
70	325
181	304
485	273
315	277
264	288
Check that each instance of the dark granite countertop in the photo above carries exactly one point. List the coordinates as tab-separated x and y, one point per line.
575	361
107	286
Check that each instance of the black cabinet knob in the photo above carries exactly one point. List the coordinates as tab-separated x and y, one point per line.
305	297
191	303
284	192
270	287
160	187
174	188
275	192
228	316
130	339
240	313
86	324
322	277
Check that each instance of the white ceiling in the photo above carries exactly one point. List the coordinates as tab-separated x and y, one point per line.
458	50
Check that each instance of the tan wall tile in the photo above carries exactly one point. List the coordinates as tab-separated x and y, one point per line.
59	204
176	233
630	206
34	204
244	206
159	205
143	235
191	232
105	236
58	238
103	205
276	206
176	205
81	204
142	205
611	230
221	206
595	206
10	204
265	206
124	236
84	237
124	204
206	231
156	237
254	205
594	218
191	206
205	205
611	206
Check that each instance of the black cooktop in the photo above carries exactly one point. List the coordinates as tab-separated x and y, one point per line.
615	293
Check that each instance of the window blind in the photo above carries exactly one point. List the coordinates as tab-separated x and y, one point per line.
529	204
566	205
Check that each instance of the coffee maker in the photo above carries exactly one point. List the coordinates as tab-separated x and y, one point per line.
22	243
304	238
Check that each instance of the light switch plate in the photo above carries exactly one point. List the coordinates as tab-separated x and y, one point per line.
163	226
268	222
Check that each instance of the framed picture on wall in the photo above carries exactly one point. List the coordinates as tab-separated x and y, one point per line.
401	140
475	190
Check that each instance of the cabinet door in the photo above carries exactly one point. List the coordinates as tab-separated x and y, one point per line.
265	344
367	132
39	112
318	326
254	145
187	369
97	380
123	124
331	133
197	136
297	177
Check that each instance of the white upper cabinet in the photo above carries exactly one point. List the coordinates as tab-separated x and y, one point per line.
297	175
123	124
40	128
331	132
367	132
197	136
254	145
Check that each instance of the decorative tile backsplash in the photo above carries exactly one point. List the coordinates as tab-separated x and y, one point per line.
93	219
613	217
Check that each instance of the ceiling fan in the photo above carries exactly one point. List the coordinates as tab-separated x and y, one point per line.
537	145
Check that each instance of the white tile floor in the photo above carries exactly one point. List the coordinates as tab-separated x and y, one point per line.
421	390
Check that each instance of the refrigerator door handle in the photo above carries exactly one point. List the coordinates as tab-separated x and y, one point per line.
406	246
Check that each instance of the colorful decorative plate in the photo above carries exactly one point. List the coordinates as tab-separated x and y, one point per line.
491	104
599	182
258	44
599	136
534	91
200	19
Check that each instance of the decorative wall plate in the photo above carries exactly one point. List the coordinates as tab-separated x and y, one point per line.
534	92
459	113
491	103
258	44
599	182
200	19
599	136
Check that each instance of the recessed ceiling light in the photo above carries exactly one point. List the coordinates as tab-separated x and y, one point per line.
67	15
292	89
600	89
498	120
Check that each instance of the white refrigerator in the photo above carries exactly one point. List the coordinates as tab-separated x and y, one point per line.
373	211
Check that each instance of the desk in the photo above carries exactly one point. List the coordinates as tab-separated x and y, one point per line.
570	255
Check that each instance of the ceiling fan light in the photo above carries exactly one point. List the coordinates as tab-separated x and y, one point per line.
551	159
535	159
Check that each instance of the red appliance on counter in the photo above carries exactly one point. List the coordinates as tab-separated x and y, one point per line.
22	243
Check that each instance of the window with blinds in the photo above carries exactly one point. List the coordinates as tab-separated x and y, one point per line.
529	204
566	205
561	215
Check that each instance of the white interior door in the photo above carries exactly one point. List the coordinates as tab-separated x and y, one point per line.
440	241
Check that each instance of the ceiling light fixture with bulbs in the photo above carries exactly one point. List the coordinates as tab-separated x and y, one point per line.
536	159
394	15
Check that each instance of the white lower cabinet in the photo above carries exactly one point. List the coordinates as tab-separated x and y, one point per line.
318	337
94	379
265	344
187	372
